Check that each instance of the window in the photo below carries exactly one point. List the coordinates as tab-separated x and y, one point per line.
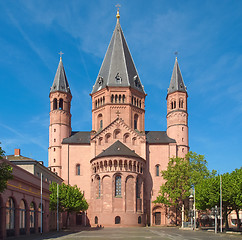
112	97
139	220
54	140
96	220
99	187
137	188
123	98
54	149
118	186
117	220
54	130
99	121
10	214
32	215
22	215
78	170
180	103
136	121
61	104
55	104
157	170
101	124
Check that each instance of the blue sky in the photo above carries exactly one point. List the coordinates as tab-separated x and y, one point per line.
207	35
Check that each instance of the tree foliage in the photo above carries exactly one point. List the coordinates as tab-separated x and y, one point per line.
181	175
5	172
71	199
208	193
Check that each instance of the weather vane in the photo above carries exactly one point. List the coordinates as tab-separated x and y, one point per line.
61	53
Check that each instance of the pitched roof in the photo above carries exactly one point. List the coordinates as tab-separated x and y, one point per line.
60	82
118	149
176	83
158	137
118	69
78	137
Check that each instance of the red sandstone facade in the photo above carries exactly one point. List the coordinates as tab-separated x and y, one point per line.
118	163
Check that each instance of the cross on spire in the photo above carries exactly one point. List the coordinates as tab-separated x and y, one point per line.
118	6
61	53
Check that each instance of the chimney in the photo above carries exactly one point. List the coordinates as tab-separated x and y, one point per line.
16	152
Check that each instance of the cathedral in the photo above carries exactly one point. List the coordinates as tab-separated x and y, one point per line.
117	164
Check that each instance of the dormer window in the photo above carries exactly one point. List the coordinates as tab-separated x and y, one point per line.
136	82
118	79
100	81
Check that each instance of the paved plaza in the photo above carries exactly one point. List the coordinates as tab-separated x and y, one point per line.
164	233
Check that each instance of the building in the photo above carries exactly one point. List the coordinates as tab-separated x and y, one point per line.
118	163
34	167
20	204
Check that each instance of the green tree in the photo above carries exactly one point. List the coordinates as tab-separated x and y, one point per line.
5	172
181	175
208	194
71	199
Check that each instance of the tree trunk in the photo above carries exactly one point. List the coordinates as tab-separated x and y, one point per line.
238	219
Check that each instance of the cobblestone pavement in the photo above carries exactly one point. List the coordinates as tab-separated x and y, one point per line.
161	233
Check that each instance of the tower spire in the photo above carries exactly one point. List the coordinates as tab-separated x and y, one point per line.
118	15
60	82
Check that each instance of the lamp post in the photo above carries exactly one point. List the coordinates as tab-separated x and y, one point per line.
191	199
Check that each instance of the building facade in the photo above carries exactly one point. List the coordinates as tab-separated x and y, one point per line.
118	163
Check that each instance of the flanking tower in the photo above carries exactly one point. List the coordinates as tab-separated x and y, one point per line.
177	116
60	117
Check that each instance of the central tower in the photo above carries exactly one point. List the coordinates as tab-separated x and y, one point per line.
118	91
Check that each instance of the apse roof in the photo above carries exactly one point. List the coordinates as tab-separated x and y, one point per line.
118	68
176	83
60	82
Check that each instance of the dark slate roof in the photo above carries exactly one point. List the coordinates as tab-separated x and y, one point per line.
118	149
78	137
118	68
60	82
176	83
158	137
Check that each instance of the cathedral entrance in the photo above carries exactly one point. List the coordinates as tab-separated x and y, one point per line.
157	218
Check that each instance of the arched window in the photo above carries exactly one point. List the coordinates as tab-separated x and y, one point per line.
132	100
126	137
123	98
99	121
118	186
136	121
22	217
78	169
117	220
55	104
32	217
103	100
157	170
174	104
112	97
61	104
96	220
116	133
99	187
137	188
10	214
180	103
107	137
120	98
134	141
96	104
